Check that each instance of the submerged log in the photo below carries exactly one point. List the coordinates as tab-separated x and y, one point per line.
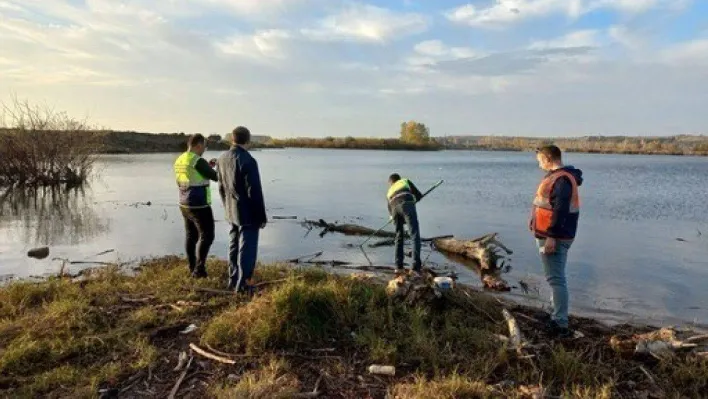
488	255
391	242
346	229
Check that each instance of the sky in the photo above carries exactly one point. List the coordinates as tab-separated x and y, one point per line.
290	68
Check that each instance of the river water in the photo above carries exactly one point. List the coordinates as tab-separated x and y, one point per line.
641	253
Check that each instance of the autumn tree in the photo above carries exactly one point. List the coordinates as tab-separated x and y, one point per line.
415	132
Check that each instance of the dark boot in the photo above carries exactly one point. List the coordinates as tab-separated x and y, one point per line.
200	273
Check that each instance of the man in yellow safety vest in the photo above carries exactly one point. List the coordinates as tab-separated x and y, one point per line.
193	173
402	196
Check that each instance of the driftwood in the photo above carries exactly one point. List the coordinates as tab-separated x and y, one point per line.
487	253
659	344
515	337
347	229
390	242
175	389
486	250
211	356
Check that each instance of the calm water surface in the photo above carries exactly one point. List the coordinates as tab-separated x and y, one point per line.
625	264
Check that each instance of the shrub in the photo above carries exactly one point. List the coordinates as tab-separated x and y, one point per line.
43	147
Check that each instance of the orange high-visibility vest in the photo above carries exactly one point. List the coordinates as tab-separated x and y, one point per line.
542	208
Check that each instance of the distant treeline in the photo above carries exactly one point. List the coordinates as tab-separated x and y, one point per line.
355	143
673	145
115	142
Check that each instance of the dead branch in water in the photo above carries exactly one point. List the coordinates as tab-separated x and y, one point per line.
346	229
390	242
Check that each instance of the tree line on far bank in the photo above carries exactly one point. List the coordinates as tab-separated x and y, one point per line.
412	136
672	145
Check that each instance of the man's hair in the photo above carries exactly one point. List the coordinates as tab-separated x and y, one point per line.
241	135
551	152
195	139
394	177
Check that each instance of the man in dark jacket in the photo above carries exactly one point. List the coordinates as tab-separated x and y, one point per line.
242	195
554	222
192	174
402	196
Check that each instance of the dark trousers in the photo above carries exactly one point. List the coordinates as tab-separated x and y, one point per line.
243	252
199	224
405	213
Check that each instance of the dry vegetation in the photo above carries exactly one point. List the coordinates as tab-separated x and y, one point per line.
354	143
41	147
674	145
307	331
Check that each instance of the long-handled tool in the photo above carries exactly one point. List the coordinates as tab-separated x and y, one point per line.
361	246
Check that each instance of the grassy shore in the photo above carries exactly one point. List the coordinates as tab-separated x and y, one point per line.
120	335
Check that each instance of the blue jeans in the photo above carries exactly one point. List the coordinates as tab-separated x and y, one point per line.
554	268
405	213
243	252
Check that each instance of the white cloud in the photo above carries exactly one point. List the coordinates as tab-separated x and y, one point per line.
624	36
262	44
629	6
508	11
505	12
433	48
581	38
690	53
437	49
366	23
251	7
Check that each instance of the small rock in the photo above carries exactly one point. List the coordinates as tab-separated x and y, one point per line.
38	253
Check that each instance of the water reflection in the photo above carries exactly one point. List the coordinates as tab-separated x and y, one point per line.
52	216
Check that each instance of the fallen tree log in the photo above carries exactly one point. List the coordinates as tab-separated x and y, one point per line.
346	229
391	242
487	255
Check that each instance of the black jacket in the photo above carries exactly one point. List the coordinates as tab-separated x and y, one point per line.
240	188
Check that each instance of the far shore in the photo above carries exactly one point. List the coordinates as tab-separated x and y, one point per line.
133	142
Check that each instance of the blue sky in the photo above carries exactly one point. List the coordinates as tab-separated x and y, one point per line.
333	67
